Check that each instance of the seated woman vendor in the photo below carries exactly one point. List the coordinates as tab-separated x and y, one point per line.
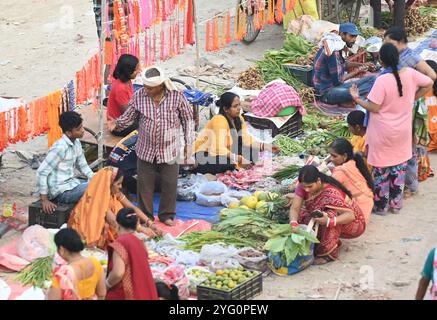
224	144
326	200
94	216
352	172
121	92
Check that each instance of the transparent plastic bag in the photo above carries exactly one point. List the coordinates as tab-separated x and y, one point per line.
252	259
217	252
208	201
35	242
220	264
212	188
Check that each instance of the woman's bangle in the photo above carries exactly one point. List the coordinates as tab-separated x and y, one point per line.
108	285
328	222
294	223
335	221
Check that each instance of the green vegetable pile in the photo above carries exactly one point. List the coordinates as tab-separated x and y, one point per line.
37	272
288	245
289	172
295	50
196	240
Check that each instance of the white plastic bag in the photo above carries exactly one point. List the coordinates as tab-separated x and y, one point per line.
208	201
233	196
220	264
310	29
216	251
213	188
187	187
35	242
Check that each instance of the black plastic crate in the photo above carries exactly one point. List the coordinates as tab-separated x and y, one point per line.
50	221
245	291
292	128
302	73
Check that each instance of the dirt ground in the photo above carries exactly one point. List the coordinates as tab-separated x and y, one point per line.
45	42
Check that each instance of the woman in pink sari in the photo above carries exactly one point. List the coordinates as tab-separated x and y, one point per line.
129	274
340	217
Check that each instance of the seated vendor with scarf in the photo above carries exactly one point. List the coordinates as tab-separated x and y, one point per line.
330	67
224	144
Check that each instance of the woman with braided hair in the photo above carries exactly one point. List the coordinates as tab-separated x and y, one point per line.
389	133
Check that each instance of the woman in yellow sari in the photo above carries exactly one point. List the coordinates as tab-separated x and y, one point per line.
351	171
94	216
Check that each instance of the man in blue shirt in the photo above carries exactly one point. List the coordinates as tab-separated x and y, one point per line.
330	71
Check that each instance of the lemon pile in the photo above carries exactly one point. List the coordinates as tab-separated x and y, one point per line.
228	279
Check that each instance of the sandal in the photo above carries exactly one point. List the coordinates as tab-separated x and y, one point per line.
322	260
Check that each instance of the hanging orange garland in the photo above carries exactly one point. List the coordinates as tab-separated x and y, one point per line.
228	27
271	12
208	36
279	16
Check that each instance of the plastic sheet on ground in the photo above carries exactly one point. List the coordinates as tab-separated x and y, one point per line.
188	210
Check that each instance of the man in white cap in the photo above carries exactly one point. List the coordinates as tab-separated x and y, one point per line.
161	112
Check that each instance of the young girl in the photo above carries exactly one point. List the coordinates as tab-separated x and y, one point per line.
355	120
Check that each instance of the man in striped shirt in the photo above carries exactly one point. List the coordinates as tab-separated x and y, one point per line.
56	179
162	114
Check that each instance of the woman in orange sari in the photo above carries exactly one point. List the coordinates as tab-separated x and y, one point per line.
351	171
94	216
129	274
81	278
330	203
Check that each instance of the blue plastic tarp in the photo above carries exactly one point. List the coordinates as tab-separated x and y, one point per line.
187	210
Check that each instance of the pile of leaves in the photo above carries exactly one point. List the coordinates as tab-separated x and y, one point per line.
288	245
251	79
245	224
295	50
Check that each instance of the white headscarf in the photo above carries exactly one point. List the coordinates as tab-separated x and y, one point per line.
158	80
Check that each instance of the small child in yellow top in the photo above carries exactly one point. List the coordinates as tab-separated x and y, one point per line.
355	120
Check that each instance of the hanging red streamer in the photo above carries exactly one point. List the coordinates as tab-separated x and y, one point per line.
189	24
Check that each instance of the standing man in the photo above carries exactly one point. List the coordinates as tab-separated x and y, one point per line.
161	112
